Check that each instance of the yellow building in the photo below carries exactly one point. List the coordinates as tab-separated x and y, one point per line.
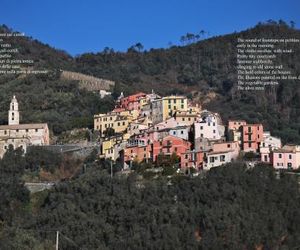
186	117
118	123
171	104
111	146
130	114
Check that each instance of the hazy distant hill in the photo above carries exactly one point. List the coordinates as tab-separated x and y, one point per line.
204	70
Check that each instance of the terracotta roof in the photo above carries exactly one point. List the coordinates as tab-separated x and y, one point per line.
24	126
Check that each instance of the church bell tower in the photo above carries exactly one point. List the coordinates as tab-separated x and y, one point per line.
13	113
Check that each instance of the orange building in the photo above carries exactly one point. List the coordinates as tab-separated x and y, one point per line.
169	145
252	135
137	149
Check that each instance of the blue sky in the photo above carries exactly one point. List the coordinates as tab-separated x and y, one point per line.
90	25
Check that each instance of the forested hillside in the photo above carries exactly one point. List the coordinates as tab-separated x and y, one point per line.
205	70
232	207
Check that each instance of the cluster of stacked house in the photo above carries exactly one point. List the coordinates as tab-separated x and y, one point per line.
21	135
146	125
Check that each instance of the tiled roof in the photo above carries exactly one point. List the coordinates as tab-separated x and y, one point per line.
24	126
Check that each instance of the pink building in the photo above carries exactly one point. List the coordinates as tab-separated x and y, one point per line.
288	157
252	135
169	145
236	124
192	159
233	147
131	102
169	123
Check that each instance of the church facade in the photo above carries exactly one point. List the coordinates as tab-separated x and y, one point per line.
21	135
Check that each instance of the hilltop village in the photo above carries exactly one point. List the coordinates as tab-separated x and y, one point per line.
150	128
147	127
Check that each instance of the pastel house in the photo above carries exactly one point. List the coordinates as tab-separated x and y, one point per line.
216	159
252	135
235	130
169	145
208	128
267	145
288	157
137	149
192	159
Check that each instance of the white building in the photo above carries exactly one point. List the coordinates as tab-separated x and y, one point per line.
268	144
216	159
208	128
21	135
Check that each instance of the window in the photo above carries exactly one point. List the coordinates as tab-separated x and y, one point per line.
144	149
169	106
174	100
209	124
175	149
123	123
26	130
214	131
201	135
186	156
280	156
201	127
212	159
189	118
144	155
17	130
290	157
182	101
228	145
5	132
181	132
249	129
265	158
182	106
183	119
174	132
222	158
249	144
214	124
